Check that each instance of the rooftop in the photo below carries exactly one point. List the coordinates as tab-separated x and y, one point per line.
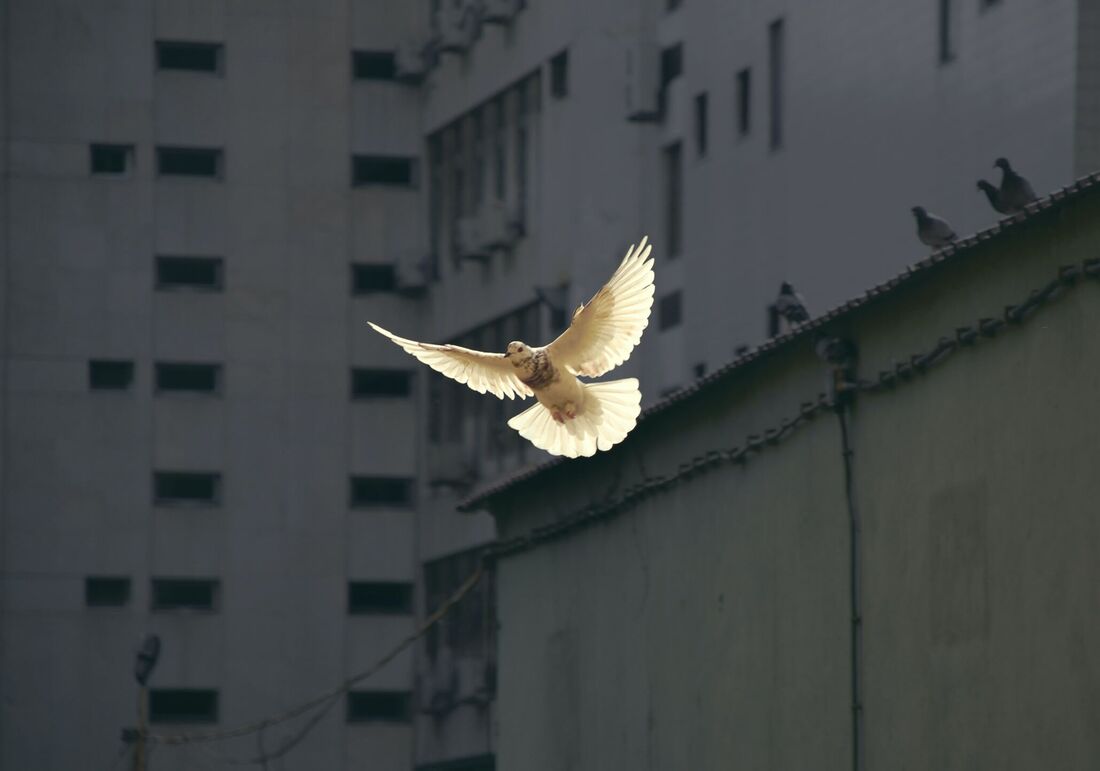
956	251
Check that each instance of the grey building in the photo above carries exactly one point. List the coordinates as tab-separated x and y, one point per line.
204	201
688	600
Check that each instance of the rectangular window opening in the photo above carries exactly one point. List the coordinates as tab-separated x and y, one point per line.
393	171
183	705
559	75
673	199
380	598
204	162
701	124
185	594
381	491
187	487
367	278
373	65
106	591
110	375
190	56
744	102
670	311
776	56
379	706
380	383
946	31
188	378
196	273
112	160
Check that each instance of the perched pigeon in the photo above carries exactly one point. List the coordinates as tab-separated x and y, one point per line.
788	306
994	195
931	230
1015	192
571	418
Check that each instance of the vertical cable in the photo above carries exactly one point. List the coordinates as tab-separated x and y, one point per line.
855	533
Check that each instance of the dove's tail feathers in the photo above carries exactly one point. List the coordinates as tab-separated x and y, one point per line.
609	413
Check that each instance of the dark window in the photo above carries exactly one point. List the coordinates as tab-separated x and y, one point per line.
670	310
193	57
184	594
188	378
381	491
104	375
111	159
672	64
203	273
186	487
499	149
946	32
383	170
559	75
673	199
106	592
370	383
744	101
701	124
522	109
477	176
382	706
189	162
436	195
183	705
379	597
367	278
775	84
373	65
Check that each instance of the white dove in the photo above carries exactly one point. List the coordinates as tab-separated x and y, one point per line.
571	418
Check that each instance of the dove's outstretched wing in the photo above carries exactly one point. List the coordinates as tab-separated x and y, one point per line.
605	331
483	372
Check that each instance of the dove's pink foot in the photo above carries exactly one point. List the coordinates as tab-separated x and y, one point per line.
556	415
570	410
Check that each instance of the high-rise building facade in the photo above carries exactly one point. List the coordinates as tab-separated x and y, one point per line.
205	200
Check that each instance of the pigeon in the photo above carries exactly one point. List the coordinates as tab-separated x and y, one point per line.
571	418
931	230
788	306
994	196
1015	192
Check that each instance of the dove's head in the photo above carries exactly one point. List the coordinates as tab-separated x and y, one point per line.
919	212
518	353
1002	164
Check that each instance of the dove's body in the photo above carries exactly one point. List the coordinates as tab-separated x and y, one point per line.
571	417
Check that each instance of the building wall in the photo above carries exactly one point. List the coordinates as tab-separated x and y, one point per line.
708	625
283	431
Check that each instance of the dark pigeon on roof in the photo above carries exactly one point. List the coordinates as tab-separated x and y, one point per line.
931	230
1016	192
993	194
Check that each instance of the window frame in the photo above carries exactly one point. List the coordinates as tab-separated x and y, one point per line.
162	260
127	364
165	45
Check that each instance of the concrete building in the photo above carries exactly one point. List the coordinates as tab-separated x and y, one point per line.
688	600
204	201
201	438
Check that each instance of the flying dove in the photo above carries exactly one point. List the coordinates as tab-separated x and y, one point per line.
571	418
994	196
1015	192
931	230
